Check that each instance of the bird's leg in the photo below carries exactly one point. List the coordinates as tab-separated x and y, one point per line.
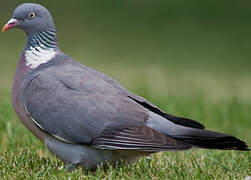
70	167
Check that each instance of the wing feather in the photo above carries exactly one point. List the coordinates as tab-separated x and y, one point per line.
140	138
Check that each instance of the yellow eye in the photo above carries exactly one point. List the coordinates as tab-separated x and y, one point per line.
32	15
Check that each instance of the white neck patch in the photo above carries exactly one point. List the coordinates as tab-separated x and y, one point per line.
39	55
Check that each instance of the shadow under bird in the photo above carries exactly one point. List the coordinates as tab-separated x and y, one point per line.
86	118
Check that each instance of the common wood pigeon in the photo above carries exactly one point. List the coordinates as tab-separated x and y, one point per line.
86	118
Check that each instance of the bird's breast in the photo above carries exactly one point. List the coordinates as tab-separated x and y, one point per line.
17	92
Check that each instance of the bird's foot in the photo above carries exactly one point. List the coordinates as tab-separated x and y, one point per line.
70	167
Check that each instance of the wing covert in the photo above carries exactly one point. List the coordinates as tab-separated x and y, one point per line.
60	104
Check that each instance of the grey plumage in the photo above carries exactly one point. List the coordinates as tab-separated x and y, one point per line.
84	104
86	156
85	117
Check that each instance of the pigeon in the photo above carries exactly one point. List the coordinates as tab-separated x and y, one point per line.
84	117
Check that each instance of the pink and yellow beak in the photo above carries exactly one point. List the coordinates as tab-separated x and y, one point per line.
10	24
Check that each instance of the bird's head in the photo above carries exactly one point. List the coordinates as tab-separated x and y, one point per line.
31	18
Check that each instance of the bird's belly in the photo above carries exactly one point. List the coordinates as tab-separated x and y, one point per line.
87	156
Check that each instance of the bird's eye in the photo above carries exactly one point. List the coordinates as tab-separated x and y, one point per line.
32	15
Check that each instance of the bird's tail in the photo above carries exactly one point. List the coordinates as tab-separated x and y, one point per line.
211	140
194	135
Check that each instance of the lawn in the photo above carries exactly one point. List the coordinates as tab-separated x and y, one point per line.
190	67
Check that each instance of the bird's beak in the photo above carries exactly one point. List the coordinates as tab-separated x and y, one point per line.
10	24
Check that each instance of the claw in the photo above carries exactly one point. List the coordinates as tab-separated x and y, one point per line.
70	167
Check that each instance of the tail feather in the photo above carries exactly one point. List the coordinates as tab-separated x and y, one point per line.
197	137
213	140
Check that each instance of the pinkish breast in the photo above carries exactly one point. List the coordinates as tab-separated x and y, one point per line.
17	91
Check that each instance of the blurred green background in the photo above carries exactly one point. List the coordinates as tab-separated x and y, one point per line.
192	58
